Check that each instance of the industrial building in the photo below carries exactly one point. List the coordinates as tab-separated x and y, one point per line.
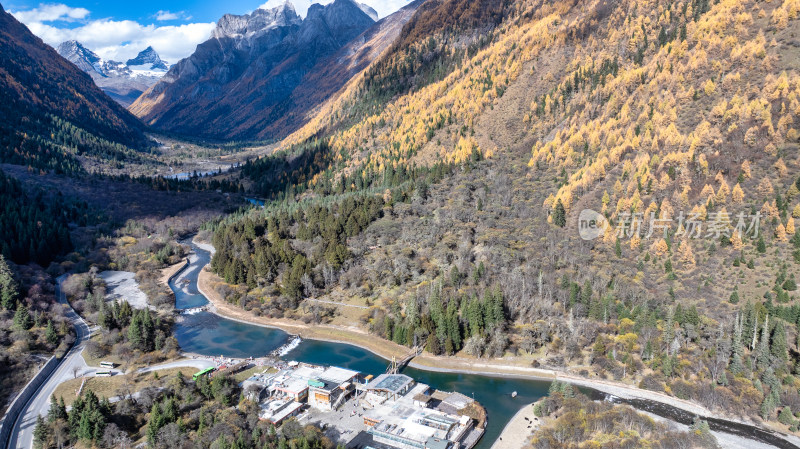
391	411
404	414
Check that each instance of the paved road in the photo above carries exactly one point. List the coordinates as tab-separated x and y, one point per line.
22	434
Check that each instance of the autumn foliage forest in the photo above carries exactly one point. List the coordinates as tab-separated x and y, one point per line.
662	109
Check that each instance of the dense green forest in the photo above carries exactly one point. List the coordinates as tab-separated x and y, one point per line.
164	184
450	324
252	250
35	227
52	143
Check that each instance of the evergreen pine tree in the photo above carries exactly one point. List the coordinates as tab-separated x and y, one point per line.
22	319
8	287
41	433
51	334
768	406
761	246
669	331
432	345
560	215
52	413
154	424
778	346
586	293
135	332
453	326
170	410
448	346
734	298
85	425
786	417
762	355
737	348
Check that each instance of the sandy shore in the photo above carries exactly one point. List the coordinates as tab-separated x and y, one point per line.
518	431
123	285
167	273
205	246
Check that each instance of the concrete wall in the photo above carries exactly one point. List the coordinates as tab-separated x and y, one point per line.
7	424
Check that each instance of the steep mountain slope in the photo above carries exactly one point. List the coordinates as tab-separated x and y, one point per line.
438	36
329	76
124	82
494	139
236	83
52	111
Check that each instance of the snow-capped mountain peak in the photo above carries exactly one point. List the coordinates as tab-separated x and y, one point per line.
81	56
148	58
258	22
122	81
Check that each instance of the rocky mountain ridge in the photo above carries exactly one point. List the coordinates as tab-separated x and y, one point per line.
238	81
124	82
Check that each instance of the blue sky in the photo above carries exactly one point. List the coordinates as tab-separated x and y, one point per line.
120	29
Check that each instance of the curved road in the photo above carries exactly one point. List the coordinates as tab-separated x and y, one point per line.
39	404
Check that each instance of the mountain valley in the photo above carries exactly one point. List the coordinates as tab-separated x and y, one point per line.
598	194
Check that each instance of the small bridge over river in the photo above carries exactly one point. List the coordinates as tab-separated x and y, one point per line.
396	365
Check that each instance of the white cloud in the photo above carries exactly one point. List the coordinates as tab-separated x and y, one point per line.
119	40
166	15
51	13
382	7
162	16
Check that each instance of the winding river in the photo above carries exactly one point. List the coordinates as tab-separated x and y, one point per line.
209	334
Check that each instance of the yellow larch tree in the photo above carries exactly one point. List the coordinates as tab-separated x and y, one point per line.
746	169
736	241
686	255
780	233
780	167
769	210
764	188
636	241
723	192
738	194
659	247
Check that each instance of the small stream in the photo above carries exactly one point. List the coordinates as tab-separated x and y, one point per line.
209	334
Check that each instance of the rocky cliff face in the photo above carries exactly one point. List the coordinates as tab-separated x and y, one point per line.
124	82
242	76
